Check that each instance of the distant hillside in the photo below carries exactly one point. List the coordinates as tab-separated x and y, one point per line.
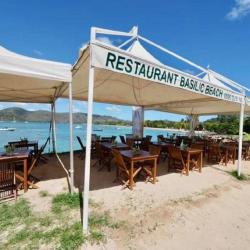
20	114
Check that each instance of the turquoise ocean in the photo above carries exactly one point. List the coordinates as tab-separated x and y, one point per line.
40	131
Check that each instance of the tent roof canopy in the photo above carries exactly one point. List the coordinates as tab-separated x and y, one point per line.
30	80
133	76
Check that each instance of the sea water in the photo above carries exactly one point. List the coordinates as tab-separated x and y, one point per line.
39	131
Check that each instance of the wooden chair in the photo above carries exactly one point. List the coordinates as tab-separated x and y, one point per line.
214	153
197	146
35	158
231	151
147	166
149	137
83	148
130	142
113	138
246	151
103	157
123	169
176	160
19	145
160	138
106	139
145	143
8	187
122	138
195	159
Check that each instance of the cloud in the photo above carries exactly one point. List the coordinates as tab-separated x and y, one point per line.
241	9
105	39
189	71
113	108
38	52
79	106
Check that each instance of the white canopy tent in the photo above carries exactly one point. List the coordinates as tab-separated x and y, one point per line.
29	80
106	73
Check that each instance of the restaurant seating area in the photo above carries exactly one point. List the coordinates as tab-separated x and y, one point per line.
16	166
131	158
138	158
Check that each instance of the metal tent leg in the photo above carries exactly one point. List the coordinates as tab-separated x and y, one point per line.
72	184
88	151
242	107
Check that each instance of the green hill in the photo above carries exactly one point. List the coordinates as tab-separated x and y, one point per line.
20	114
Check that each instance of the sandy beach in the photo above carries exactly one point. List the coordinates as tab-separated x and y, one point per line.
205	210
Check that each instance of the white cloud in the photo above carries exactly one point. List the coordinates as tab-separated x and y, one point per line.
38	52
79	106
105	39
241	9
189	71
113	108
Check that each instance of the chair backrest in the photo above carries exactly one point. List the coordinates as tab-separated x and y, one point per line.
160	138
106	139
148	137
119	162
80	142
7	180
197	146
93	137
19	144
99	151
122	138
175	153
113	138
154	150
214	148
130	142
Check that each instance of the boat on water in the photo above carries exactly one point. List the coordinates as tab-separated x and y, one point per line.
96	130
78	126
7	129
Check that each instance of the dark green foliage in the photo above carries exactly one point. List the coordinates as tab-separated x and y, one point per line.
223	124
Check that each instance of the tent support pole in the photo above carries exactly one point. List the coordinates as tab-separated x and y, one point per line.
242	106
53	127
53	131
88	147
138	121
72	184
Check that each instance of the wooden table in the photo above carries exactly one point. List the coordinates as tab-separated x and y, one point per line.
188	153
162	145
110	146
27	144
141	156
19	156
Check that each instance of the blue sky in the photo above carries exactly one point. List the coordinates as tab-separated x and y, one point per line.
215	33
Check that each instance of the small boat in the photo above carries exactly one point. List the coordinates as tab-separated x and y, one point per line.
78	126
98	130
7	129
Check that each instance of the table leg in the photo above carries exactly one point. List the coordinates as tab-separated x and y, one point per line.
201	161
131	177
234	154
25	175
188	163
154	170
226	157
